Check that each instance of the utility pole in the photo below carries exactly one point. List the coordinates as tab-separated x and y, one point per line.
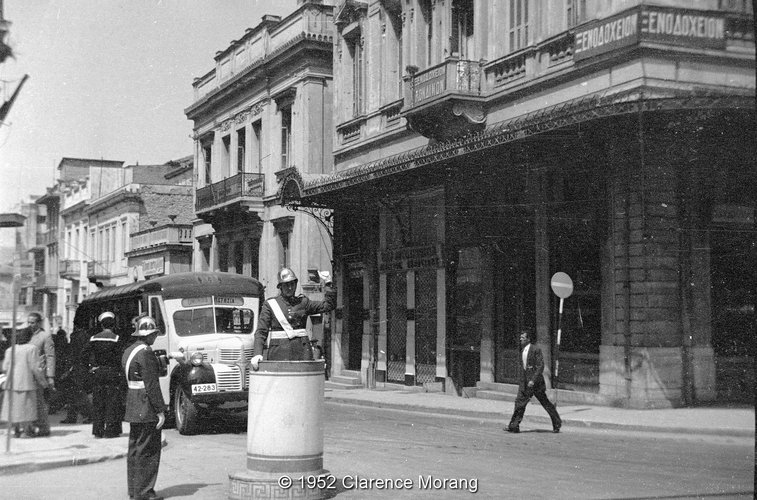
11	220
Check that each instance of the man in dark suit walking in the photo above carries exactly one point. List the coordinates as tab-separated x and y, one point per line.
532	384
145	411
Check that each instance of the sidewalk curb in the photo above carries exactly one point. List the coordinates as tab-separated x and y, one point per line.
58	459
567	422
63	460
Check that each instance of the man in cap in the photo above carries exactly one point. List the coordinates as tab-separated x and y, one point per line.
103	356
145	411
281	325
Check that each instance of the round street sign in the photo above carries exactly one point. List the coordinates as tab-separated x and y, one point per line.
562	285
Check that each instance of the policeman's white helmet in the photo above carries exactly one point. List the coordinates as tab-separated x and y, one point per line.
145	326
106	315
286	275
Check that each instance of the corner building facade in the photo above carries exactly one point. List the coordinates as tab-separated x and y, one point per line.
260	115
482	146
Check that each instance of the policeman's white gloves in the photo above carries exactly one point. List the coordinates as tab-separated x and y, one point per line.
255	360
325	276
161	420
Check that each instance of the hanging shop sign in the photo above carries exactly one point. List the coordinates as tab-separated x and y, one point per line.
399	259
671	26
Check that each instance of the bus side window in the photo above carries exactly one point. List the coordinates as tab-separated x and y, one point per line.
157	315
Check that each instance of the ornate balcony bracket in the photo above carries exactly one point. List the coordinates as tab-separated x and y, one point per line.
324	216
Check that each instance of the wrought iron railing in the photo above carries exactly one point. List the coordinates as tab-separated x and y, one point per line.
241	186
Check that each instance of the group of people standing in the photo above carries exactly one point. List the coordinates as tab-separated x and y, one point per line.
52	372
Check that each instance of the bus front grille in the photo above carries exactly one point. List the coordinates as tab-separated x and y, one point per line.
228	378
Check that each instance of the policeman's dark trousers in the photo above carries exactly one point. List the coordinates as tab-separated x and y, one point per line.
106	410
521	401
143	459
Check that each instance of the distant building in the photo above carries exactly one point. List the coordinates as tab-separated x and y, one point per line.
148	196
67	203
105	208
162	244
24	259
263	115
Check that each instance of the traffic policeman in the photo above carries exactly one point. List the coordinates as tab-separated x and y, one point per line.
282	321
104	359
145	411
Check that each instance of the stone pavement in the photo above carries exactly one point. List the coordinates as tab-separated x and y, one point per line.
73	444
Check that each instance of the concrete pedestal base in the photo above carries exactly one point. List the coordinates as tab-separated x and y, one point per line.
250	485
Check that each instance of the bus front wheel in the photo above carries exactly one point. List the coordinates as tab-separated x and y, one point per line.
185	413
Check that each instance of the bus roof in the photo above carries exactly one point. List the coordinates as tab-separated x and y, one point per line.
183	285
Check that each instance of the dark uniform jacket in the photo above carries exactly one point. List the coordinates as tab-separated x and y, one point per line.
104	357
296	309
534	370
143	400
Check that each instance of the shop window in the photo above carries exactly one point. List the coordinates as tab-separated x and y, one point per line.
576	229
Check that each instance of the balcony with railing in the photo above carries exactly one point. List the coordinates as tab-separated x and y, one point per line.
46	282
445	99
70	269
98	270
245	189
169	234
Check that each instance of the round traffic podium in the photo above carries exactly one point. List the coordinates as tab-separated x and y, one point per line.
284	432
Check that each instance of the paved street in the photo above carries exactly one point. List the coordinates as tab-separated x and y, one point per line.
363	444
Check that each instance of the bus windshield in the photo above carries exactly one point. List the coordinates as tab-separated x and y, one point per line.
208	320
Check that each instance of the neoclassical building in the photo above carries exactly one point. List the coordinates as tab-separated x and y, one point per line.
482	146
262	114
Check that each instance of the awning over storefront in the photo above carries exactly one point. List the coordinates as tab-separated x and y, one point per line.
580	110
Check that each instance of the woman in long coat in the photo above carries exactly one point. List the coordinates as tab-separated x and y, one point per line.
27	376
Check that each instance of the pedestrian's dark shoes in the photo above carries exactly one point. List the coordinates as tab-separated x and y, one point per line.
512	429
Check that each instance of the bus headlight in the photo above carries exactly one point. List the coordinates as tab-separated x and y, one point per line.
196	359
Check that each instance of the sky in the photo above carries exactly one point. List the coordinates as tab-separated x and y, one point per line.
108	79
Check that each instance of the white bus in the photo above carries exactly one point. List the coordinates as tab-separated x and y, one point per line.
206	320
